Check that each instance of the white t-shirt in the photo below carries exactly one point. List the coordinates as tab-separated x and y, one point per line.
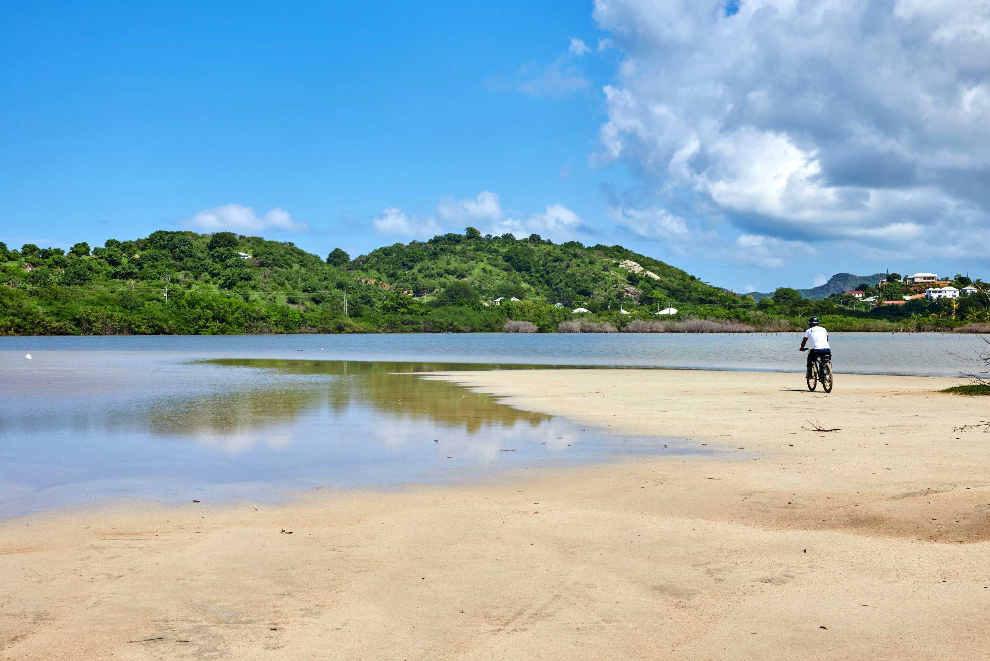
818	337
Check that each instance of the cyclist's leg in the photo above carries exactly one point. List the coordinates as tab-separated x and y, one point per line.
811	362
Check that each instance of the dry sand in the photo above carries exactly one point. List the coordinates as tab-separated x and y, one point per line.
866	542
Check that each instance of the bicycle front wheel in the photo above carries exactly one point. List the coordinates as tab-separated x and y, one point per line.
813	379
826	371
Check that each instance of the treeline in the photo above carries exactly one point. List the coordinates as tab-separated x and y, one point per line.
187	283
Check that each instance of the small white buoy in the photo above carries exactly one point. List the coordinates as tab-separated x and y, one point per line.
28	356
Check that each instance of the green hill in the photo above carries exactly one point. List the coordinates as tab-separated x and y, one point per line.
534	269
187	283
838	283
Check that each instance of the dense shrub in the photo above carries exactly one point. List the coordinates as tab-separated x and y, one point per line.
597	327
519	327
708	326
569	327
645	326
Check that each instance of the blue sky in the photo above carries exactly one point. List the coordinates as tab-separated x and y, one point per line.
742	143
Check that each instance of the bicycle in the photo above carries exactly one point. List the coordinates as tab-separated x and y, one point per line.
821	372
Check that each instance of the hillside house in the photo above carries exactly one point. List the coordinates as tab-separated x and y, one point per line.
935	293
921	279
966	291
894	303
855	294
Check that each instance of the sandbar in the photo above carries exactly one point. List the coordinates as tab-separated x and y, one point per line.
870	541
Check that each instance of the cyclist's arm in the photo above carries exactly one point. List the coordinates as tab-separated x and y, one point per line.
804	341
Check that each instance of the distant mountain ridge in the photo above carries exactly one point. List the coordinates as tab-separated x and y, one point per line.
837	284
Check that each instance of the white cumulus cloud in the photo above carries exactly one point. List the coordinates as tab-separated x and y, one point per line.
652	223
765	251
485	207
393	221
242	219
578	47
859	122
557	223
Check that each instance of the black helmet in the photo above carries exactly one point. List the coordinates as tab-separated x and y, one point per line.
813	321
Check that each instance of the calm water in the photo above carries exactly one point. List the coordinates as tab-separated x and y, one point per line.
216	418
928	354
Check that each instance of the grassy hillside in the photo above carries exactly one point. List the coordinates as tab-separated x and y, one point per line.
173	283
534	269
187	283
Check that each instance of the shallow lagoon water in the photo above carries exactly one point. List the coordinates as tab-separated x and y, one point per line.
256	417
926	354
82	427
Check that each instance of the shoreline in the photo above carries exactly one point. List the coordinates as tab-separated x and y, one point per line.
865	542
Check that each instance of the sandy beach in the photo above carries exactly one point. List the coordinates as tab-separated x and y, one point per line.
870	541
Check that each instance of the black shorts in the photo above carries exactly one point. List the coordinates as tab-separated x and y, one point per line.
814	354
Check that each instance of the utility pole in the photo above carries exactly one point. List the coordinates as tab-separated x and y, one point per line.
345	305
168	280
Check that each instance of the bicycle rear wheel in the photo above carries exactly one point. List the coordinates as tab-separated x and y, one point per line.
826	376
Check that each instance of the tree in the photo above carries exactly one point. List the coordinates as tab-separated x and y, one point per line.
520	257
963	280
113	256
80	249
786	296
30	250
472	233
893	277
892	291
223	240
458	293
48	253
4	253
338	257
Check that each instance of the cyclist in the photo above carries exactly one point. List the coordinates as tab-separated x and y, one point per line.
819	343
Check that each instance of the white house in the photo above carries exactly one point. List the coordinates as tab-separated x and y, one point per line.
941	292
580	310
667	311
244	255
920	278
498	301
966	291
558	305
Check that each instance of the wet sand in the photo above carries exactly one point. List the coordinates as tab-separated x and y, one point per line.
871	541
